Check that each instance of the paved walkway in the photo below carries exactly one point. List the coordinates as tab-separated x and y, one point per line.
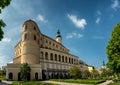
63	83
106	83
6	82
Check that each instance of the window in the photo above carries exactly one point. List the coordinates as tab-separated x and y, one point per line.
46	56
62	58
34	28
55	57
59	58
72	61
25	36
57	46
69	60
41	46
51	56
66	59
46	41
34	37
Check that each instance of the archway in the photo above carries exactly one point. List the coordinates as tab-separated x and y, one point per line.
36	76
19	76
43	75
10	75
28	76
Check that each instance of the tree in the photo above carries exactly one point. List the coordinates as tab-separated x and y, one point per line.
113	50
95	73
3	4
86	74
25	70
75	71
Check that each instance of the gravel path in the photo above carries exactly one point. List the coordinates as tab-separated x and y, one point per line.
106	83
63	83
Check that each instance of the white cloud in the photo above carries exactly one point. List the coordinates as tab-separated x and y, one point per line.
6	39
80	23
80	35
98	20
11	62
41	18
69	36
115	5
74	34
99	12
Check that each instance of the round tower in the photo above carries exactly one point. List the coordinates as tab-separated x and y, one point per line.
58	37
30	43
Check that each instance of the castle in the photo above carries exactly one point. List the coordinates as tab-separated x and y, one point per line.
46	57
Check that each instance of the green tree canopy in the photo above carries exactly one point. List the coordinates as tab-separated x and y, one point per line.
24	70
3	4
113	50
75	71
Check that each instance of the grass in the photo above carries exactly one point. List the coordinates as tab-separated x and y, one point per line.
115	83
32	83
80	81
2	77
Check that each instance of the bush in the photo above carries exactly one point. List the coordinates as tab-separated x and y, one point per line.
82	81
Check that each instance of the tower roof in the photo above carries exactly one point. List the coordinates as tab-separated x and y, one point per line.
58	33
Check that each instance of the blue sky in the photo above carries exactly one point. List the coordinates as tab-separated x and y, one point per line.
85	25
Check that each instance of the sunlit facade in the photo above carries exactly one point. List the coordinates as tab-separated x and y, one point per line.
46	57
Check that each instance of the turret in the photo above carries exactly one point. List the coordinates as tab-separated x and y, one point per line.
30	43
103	66
58	37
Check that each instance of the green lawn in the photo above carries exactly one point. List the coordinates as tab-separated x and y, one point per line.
115	83
32	83
2	77
81	81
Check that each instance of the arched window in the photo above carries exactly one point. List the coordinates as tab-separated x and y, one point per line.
51	56
10	75
34	28
28	76
55	57
19	76
36	76
46	55
66	59
34	37
59	58
72	61
62	58
25	36
69	60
